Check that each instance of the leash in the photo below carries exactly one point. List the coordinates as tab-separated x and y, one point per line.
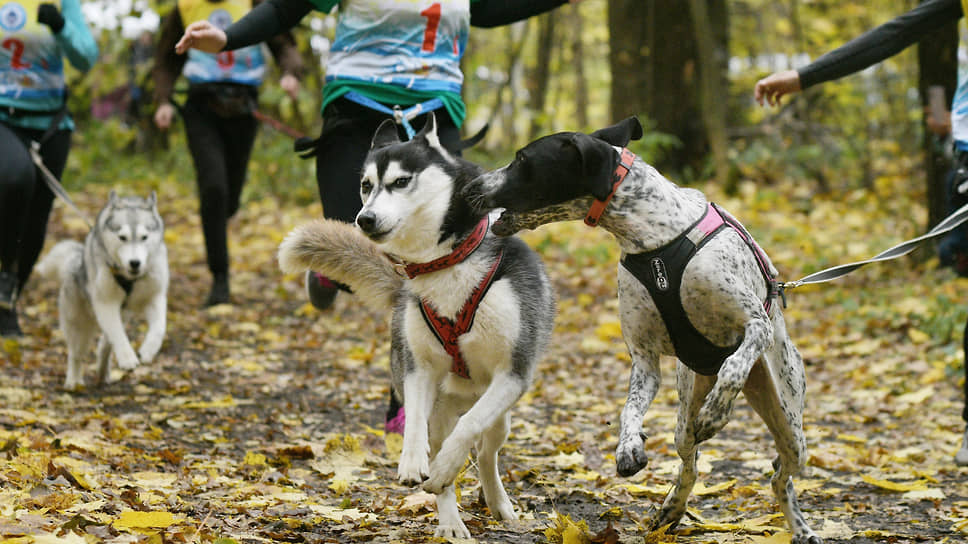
945	225
53	184
278	125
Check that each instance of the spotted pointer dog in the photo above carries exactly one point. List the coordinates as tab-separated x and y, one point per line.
726	328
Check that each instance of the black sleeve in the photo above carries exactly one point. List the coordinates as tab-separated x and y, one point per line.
491	13
266	20
880	43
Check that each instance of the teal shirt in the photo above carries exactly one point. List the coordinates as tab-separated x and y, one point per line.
77	44
398	52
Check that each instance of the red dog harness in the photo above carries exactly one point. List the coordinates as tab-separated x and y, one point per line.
447	330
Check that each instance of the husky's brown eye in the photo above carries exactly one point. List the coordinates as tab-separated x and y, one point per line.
123	237
365	186
144	237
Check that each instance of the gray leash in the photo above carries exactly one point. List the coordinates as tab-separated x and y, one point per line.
945	225
51	180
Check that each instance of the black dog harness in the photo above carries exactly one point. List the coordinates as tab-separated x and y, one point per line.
661	270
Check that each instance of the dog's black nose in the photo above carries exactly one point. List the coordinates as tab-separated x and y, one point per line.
134	264
366	221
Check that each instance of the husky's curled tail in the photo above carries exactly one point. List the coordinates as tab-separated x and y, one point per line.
344	254
62	261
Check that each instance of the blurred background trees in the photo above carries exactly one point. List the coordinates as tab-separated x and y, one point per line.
686	69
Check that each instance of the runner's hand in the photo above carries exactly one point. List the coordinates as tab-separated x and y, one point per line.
772	87
201	35
163	115
290	84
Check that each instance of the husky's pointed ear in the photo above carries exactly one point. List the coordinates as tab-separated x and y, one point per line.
152	199
112	197
386	134
429	130
620	133
598	161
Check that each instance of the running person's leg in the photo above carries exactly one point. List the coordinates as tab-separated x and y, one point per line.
25	202
208	151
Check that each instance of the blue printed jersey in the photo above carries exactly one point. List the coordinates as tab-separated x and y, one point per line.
246	66
31	59
398	51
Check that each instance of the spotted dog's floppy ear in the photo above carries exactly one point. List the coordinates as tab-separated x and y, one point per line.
620	133
598	163
386	134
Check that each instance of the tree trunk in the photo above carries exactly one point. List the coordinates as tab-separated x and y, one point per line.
937	65
653	60
578	60
541	77
712	89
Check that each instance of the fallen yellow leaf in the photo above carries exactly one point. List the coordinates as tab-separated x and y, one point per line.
918	485
132	519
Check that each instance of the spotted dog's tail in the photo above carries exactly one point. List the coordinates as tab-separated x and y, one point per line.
342	253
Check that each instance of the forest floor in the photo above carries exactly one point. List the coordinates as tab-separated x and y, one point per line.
262	420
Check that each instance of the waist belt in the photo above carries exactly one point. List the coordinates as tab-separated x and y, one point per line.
400	116
661	270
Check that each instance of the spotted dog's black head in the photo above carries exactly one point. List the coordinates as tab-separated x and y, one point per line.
554	170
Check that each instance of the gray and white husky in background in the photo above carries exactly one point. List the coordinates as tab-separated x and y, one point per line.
122	265
414	222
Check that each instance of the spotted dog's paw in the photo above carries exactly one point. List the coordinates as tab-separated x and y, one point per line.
630	456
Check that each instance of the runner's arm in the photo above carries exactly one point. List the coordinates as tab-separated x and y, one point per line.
168	64
881	42
492	13
266	20
75	38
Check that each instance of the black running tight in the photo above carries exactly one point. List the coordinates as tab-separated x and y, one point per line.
220	148
25	199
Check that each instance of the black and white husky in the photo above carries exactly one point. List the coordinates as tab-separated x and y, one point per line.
122	265
472	312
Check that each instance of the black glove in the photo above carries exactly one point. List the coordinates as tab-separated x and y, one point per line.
49	15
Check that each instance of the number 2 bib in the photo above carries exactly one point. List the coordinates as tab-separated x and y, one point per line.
31	66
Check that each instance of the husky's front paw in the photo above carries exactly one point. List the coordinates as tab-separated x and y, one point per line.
445	468
73	382
127	358
630	456
149	350
413	469
457	530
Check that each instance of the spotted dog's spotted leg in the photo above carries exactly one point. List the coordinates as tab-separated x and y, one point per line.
692	389
775	389
630	456
719	404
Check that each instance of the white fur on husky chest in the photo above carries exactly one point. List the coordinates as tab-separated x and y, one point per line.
487	347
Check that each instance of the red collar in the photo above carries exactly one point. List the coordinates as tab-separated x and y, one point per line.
461	252
598	206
